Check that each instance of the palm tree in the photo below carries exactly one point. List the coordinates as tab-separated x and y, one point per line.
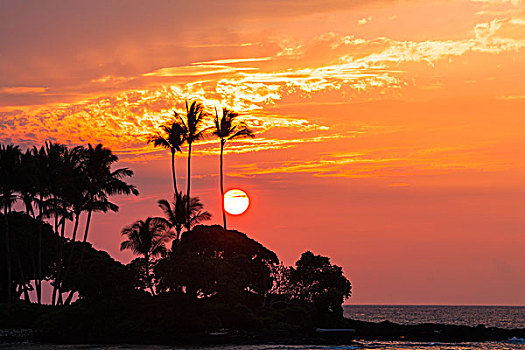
27	187
27	182
176	215
172	138
102	182
227	128
9	167
54	155
48	163
147	238
194	117
72	195
41	175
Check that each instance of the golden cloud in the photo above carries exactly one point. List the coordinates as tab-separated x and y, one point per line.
348	65
17	90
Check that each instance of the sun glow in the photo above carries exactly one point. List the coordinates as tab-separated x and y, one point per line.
236	202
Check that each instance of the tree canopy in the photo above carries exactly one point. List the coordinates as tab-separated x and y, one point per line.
211	261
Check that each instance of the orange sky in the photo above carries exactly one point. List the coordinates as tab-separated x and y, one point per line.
389	132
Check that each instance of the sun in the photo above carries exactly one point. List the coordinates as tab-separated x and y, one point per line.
236	202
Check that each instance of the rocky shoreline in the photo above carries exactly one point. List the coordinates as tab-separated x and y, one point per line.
357	330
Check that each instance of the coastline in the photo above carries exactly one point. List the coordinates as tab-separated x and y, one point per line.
364	331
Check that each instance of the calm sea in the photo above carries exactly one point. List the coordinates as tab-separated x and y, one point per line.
498	316
490	316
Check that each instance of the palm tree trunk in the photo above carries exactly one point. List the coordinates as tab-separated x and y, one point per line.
173	170
56	224
38	286
88	221
222	187
188	189
148	279
29	207
55	214
75	228
33	265
58	280
69	298
22	279
7	255
82	252
70	257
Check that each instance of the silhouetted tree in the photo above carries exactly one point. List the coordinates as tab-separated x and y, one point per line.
172	138
28	186
227	128
102	181
57	174
27	182
314	280
23	230
96	274
9	167
176	213
192	132
41	174
59	183
147	238
54	154
68	198
210	261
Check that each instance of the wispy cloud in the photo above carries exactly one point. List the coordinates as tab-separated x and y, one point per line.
500	2
16	90
382	163
235	60
194	70
346	65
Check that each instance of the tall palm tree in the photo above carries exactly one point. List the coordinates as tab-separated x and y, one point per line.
72	194
9	168
27	188
102	182
41	175
172	138
227	128
194	116
177	216
147	238
49	164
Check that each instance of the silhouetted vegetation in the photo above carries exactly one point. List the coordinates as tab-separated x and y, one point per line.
193	132
172	137
176	213
23	231
187	279
147	238
226	128
56	184
211	262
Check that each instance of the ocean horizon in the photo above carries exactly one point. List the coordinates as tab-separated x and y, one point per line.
467	315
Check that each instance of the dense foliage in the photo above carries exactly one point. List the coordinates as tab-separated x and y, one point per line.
55	184
24	248
186	278
210	261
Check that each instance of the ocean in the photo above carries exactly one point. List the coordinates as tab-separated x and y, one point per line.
490	316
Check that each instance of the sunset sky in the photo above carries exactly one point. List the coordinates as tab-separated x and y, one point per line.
390	134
